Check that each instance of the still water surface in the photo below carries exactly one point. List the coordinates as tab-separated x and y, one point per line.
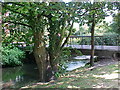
20	76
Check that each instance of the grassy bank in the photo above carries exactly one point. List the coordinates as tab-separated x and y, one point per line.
100	77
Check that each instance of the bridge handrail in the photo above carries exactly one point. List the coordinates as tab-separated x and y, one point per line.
82	36
113	40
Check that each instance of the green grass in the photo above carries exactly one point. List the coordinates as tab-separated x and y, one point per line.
101	77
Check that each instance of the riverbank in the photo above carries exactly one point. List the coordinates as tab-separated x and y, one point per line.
103	75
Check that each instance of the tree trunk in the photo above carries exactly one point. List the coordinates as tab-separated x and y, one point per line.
53	61
53	46
92	42
54	53
40	54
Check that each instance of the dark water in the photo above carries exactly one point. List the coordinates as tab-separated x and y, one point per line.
19	76
28	73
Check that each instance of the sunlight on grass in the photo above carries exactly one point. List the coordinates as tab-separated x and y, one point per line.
101	77
72	87
99	86
116	71
68	76
107	76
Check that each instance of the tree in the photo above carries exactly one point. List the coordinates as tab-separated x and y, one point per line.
38	17
55	18
115	25
59	22
29	15
96	13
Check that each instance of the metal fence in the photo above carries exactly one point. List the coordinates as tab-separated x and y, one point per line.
100	41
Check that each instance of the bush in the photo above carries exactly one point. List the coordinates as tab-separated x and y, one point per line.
62	61
11	56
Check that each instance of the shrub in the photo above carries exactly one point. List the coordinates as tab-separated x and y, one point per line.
64	59
11	56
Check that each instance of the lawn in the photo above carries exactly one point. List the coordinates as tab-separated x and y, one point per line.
85	77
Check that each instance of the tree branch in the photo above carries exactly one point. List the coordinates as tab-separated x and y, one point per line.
18	23
67	36
15	11
15	3
83	13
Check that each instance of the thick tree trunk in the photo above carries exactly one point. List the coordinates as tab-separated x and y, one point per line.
53	61
53	47
40	54
92	43
54	53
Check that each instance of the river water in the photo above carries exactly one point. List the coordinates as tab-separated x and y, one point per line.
28	73
20	76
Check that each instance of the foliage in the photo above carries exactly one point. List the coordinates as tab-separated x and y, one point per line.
111	40
63	59
56	19
116	24
39	17
11	56
76	52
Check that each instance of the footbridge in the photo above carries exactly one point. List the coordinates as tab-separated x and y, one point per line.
104	45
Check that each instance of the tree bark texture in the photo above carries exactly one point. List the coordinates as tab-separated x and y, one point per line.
40	54
92	42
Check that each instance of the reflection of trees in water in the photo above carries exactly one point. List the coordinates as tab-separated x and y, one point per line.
31	71
13	74
17	76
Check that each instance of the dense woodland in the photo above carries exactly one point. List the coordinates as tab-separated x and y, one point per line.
39	24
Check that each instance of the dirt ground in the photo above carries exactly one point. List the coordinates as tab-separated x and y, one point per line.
105	61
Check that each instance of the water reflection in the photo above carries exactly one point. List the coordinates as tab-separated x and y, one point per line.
19	76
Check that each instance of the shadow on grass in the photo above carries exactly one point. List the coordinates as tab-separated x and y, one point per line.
101	77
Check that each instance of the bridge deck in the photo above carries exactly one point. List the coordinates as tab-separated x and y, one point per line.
88	47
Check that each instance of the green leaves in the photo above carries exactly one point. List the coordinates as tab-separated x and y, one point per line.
54	18
11	57
116	24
